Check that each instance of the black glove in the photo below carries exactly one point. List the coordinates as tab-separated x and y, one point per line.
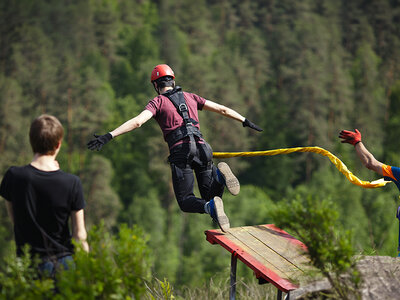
99	141
251	125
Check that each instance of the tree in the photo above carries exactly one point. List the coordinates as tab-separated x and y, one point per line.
102	202
369	96
14	144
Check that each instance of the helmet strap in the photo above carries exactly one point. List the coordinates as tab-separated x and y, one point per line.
156	89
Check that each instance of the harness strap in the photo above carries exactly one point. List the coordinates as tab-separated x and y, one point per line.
188	129
180	133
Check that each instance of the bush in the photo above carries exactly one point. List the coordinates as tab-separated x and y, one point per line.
116	267
314	222
20	280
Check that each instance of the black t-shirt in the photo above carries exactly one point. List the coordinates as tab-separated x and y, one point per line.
42	203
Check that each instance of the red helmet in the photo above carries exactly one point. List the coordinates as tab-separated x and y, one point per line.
161	71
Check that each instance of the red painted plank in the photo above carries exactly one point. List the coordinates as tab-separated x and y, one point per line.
260	270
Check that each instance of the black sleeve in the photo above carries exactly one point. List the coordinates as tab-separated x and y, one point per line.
78	201
5	187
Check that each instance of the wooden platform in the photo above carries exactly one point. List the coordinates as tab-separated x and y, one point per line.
274	255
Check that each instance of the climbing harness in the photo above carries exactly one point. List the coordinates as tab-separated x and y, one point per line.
188	129
336	161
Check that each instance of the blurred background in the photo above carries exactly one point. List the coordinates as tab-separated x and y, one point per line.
302	70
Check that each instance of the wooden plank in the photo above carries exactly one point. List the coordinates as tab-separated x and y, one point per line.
260	270
270	252
270	263
263	253
282	244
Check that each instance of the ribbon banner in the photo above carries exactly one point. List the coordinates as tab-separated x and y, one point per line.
336	161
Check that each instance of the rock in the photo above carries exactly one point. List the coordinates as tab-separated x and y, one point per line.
380	280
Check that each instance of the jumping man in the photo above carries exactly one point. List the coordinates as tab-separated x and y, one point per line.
176	112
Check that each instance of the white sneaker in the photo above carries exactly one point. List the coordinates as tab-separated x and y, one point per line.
231	182
217	213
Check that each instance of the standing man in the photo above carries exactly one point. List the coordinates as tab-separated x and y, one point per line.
389	173
40	199
176	112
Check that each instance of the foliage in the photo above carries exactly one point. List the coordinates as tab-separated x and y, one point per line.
19	279
219	289
102	201
116	268
6	233
329	248
162	290
302	70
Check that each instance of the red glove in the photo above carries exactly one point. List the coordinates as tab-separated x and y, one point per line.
351	137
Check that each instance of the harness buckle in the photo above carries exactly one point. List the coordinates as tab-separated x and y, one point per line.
183	107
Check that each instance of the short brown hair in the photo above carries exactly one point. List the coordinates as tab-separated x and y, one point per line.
45	133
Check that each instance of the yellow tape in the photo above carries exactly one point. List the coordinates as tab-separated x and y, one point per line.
336	161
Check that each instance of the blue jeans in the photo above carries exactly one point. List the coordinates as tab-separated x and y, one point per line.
51	267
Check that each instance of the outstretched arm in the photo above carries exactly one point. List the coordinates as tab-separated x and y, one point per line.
223	110
132	124
230	113
366	157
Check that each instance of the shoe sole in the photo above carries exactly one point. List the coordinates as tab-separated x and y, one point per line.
231	182
223	220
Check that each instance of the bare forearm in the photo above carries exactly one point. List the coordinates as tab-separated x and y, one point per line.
83	242
133	123
79	233
126	127
80	236
230	113
223	110
367	159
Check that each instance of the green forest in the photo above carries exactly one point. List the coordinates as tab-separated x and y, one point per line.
301	70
